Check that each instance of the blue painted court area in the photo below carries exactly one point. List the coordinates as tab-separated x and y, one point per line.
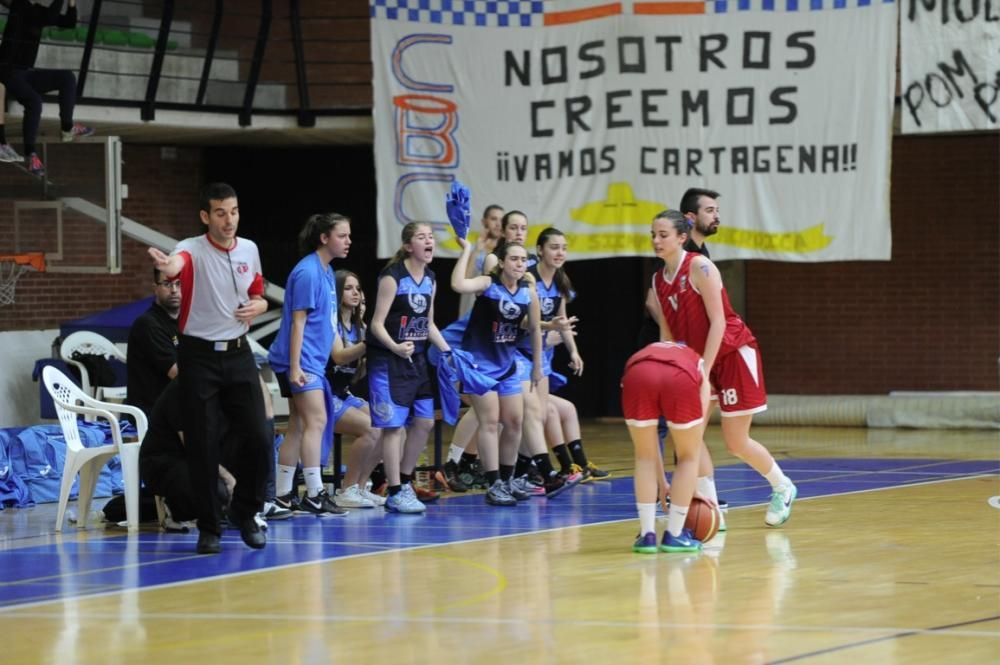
80	567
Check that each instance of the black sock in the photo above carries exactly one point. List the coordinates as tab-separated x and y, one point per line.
506	471
522	465
378	476
406	478
3	133
543	463
395	489
469	458
576	449
562	454
492	477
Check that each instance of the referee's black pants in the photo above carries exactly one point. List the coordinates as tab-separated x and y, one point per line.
220	390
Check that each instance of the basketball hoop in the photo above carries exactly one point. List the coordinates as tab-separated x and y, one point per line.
12	266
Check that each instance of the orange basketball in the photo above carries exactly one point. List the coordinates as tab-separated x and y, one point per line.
703	519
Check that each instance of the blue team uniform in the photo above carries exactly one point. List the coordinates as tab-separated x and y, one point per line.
342	376
492	332
311	287
398	385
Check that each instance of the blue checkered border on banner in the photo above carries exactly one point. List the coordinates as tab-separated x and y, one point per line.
531	13
477	13
783	6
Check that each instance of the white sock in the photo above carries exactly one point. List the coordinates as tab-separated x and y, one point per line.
283	480
647	518
706	487
777	477
455	454
676	518
314	480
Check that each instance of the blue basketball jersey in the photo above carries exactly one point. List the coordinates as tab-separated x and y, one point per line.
342	376
549	301
310	287
495	325
407	320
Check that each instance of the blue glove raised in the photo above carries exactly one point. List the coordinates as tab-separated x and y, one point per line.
459	211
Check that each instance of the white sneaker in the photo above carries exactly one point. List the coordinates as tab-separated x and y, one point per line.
8	154
405	501
371	496
780	507
352	498
273	511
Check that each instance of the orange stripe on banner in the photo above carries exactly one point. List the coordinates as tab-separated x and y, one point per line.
669	8
587	14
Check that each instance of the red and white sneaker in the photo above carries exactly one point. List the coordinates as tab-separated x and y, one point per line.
34	165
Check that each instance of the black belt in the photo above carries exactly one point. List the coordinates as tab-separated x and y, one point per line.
220	346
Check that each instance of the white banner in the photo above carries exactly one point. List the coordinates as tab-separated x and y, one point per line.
950	53
595	117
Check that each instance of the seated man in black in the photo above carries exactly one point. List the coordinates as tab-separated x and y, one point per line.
152	345
163	464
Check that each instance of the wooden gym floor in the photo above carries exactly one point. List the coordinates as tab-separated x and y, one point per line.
892	555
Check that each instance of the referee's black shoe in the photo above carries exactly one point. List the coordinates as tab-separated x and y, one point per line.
208	543
251	533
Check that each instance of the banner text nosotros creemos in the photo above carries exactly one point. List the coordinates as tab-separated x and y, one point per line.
589	126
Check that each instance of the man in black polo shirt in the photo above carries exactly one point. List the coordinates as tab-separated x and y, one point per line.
152	345
701	207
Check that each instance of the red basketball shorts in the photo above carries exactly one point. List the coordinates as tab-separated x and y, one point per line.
651	389
738	382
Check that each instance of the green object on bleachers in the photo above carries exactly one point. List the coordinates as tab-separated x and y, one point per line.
101	36
115	38
65	35
140	40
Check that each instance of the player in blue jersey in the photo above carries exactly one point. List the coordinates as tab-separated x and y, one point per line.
299	355
514	229
402	402
350	413
555	291
463	464
504	300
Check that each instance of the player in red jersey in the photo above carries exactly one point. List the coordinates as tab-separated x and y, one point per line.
695	309
665	380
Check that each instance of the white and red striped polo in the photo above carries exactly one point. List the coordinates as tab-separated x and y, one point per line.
214	282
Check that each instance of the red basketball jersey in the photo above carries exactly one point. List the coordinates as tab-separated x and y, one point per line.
668	353
686	315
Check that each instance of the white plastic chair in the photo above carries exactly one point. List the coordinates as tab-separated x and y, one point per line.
85	341
70	401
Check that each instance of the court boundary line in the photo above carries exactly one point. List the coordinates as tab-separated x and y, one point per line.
899	634
243	573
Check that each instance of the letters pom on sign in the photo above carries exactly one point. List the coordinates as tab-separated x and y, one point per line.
703	519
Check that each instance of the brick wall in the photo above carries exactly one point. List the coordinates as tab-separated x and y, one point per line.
163	195
927	320
335	39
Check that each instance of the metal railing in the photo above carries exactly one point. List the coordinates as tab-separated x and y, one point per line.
220	57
